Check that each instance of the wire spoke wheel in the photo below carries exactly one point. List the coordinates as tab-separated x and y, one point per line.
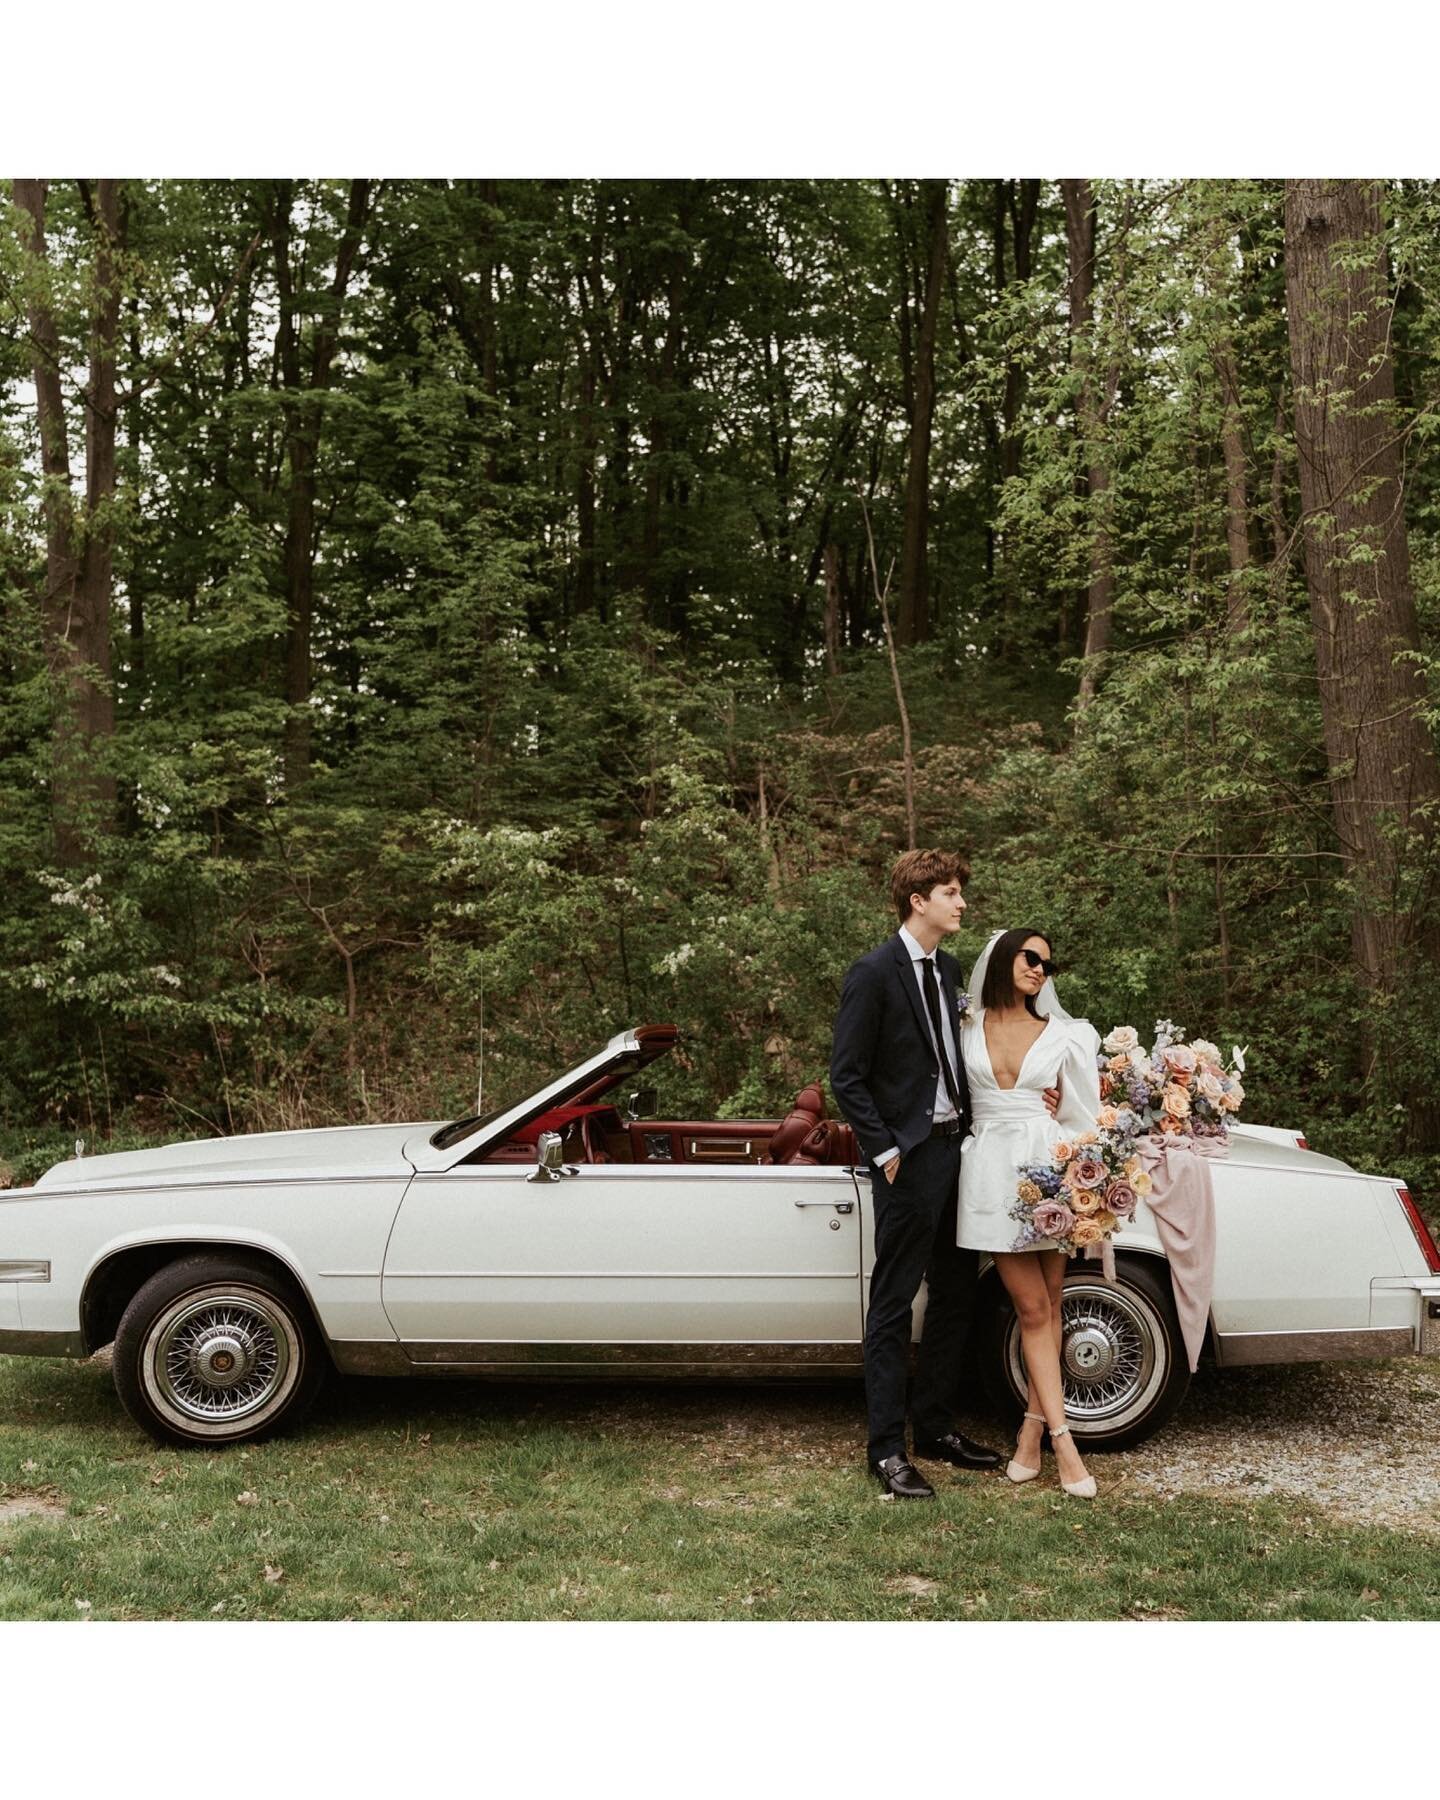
1121	1361
220	1360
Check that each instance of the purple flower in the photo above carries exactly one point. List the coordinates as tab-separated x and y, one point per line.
1139	1095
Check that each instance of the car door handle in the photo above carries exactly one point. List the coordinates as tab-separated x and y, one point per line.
844	1206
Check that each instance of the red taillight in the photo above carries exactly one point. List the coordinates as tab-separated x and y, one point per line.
1421	1230
1300	1143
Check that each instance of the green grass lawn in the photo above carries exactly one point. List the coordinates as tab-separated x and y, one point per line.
431	1500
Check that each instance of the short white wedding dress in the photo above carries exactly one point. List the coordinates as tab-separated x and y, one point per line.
1010	1126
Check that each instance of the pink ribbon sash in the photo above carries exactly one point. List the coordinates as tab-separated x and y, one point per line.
1182	1201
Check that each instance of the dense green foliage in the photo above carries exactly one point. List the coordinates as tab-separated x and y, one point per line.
583	749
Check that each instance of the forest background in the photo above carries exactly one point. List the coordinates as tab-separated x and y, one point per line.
439	627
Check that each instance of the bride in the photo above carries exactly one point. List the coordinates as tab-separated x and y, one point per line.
1014	1049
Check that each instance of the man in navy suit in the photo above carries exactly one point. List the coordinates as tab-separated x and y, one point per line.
899	1079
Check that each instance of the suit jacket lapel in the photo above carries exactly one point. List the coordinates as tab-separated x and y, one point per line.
905	970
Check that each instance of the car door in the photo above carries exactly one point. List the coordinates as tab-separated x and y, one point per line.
662	1268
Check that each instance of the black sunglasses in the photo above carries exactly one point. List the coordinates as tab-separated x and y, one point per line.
1036	961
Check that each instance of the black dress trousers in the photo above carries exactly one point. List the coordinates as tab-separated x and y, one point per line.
915	1238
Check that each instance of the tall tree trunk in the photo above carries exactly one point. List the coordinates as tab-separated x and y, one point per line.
79	552
305	382
914	607
1100	590
1384	781
1237	505
833	608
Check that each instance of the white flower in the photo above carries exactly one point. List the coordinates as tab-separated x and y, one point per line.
1205	1050
1123	1038
676	960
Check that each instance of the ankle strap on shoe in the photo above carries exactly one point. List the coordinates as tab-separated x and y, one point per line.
1063	1431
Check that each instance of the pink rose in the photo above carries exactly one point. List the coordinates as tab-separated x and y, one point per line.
1121	1198
1052	1220
1181	1058
1089	1172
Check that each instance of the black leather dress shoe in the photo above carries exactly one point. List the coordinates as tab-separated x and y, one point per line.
899	1476
964	1452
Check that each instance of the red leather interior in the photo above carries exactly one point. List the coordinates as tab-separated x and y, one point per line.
596	1134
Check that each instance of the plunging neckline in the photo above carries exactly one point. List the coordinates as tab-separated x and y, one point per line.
990	1061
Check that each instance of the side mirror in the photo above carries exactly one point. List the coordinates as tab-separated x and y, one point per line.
549	1157
641	1104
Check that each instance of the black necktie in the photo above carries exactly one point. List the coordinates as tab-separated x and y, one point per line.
932	1000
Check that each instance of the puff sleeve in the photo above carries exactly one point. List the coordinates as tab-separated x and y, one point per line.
1079	1078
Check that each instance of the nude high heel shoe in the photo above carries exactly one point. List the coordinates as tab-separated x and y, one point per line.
1017	1471
1082	1490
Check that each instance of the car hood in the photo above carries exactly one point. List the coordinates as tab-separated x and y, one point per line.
345	1151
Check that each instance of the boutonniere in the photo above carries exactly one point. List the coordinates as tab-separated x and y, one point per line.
962	1006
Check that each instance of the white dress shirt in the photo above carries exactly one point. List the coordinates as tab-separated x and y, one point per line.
944	1108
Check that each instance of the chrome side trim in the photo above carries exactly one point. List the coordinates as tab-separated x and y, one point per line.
24	1271
622	1274
1238	1349
42	1343
363	1357
520	1358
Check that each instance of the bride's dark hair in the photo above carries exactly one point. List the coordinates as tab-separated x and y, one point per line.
998	988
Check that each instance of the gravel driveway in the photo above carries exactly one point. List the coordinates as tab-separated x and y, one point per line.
1359	1442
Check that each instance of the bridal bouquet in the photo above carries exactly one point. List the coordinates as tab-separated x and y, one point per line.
1087	1190
1175	1089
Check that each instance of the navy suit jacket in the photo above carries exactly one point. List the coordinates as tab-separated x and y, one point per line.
882	1063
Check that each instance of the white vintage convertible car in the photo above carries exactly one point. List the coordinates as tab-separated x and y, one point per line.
571	1237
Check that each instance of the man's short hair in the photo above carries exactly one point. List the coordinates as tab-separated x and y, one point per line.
918	871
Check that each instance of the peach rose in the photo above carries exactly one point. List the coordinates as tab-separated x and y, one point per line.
1176	1102
1105	1118
1063	1151
1120	1063
1086	1232
1106	1221
1084	1201
1088	1137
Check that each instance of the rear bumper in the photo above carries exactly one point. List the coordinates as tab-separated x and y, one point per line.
1419	1336
42	1343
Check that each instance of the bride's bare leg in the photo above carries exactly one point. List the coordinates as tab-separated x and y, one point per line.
1053	1264
1028	1284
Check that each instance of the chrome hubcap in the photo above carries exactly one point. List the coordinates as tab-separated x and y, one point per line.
219	1358
1113	1359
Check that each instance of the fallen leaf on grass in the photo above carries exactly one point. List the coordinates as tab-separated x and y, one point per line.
1369	1593
30	1467
247	1499
917	1585
274	1572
